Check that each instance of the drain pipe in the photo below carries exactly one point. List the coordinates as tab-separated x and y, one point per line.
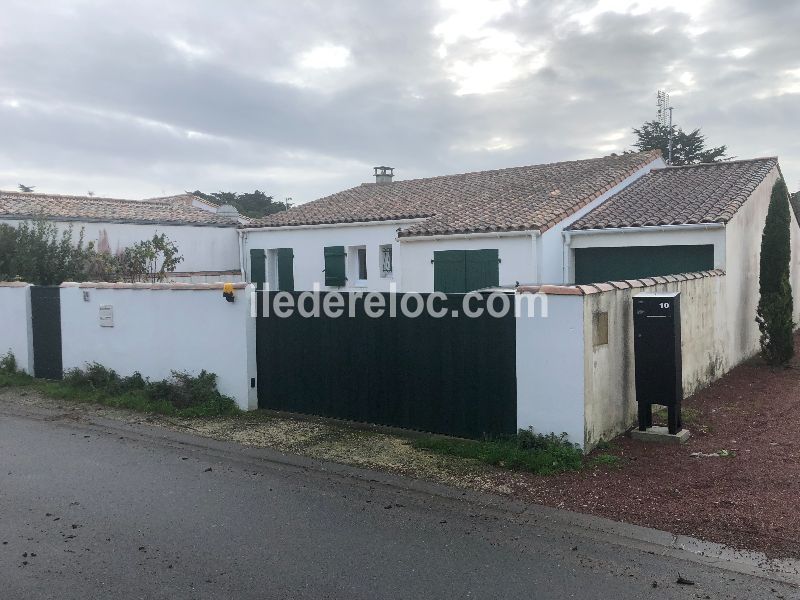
242	239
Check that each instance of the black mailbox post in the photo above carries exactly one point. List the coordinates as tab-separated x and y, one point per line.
657	355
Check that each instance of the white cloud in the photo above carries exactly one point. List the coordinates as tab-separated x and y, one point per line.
695	9
739	52
478	57
189	50
325	56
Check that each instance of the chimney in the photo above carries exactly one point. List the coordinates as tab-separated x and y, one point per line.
383	175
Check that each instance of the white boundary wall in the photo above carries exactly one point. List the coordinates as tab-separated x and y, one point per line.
161	328
576	375
15	323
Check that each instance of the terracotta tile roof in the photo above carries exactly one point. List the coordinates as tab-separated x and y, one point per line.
706	193
515	199
20	205
186	199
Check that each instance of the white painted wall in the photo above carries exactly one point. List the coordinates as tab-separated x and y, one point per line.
744	232
159	330
15	324
553	260
203	248
515	253
550	369
309	255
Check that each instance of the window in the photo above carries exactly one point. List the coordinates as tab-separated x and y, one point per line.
386	260
357	266
281	269
362	264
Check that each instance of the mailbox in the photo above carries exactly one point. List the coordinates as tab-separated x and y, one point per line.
657	356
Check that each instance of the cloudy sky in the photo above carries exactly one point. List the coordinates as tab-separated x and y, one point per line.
302	98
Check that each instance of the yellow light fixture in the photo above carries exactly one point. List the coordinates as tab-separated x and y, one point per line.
227	292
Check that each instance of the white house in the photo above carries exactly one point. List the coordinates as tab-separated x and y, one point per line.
683	219
453	233
206	239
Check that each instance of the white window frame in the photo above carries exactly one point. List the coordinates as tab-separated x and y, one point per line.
353	270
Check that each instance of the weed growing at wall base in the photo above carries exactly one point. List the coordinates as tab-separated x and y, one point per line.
524	451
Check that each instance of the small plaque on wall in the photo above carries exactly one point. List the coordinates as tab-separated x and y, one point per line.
106	315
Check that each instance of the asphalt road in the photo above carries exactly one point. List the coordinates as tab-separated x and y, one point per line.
96	510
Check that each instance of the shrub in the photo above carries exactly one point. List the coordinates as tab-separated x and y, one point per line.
184	391
775	306
182	394
8	363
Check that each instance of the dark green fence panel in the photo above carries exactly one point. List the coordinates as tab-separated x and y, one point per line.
46	326
452	375
610	264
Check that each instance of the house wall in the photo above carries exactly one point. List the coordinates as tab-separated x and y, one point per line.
516	254
158	329
744	232
550	382
202	248
308	244
553	260
15	326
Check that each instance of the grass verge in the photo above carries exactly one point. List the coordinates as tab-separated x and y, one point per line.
181	395
525	451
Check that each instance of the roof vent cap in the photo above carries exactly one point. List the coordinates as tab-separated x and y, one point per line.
383	175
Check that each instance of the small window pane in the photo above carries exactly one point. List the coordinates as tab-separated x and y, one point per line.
386	261
362	264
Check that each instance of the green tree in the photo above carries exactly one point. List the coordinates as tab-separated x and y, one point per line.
254	204
149	260
37	253
687	148
775	306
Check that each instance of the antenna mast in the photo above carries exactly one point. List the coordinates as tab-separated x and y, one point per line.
664	120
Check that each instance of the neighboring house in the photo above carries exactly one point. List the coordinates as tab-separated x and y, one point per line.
201	203
684	219
453	233
207	240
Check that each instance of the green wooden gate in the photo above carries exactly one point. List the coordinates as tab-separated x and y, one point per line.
46	326
452	375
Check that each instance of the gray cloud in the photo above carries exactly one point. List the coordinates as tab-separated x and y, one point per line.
301	99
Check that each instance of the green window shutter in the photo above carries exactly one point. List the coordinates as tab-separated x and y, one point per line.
449	271
258	268
285	269
334	266
482	269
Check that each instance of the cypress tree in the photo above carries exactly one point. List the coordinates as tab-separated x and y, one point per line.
775	306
